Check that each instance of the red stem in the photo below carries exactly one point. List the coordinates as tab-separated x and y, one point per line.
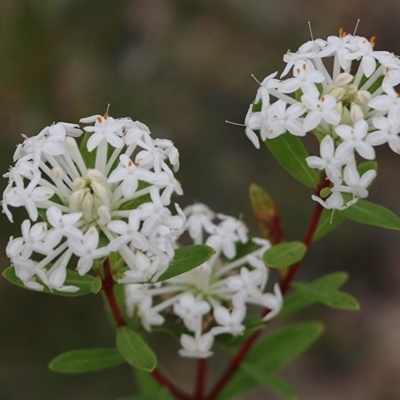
200	379
284	286
307	239
108	284
164	381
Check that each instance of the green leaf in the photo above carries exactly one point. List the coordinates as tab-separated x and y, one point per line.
241	382
96	284
270	355
135	350
330	297
283	346
73	278
328	221
291	154
135	203
365	166
89	157
300	299
369	213
273	382
284	255
88	360
187	258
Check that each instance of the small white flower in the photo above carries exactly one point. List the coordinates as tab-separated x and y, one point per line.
329	161
211	299
354	139
89	198
105	129
196	347
87	250
230	322
322	109
30	196
340	88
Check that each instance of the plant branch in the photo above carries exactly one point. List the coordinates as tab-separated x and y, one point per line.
108	284
164	381
284	286
200	379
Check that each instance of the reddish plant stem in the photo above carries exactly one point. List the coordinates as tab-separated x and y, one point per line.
164	381
108	284
284	286
234	365
200	379
307	239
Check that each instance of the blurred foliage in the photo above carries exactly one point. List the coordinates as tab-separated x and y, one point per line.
183	67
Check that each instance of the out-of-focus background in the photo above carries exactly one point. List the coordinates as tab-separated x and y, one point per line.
183	67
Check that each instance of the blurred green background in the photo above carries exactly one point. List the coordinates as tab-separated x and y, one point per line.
183	67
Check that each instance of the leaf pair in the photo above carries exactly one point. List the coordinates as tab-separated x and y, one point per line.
130	348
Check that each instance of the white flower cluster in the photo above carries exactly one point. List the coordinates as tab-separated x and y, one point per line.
350	109
110	196
210	299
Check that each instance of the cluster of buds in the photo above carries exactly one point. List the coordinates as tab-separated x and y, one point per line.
109	195
211	299
350	110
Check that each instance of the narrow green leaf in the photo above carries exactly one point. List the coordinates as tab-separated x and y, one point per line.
291	154
272	382
88	360
330	297
328	222
135	350
369	213
299	300
187	258
270	355
241	382
73	278
284	255
283	346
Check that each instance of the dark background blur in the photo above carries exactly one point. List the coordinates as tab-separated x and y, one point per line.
183	68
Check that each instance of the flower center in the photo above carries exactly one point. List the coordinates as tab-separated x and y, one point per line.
89	194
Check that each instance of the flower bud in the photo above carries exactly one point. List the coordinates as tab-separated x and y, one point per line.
356	112
87	207
364	96
343	79
346	120
104	215
76	199
57	174
338	93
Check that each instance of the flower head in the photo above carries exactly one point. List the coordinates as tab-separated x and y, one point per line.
343	91
211	299
108	195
